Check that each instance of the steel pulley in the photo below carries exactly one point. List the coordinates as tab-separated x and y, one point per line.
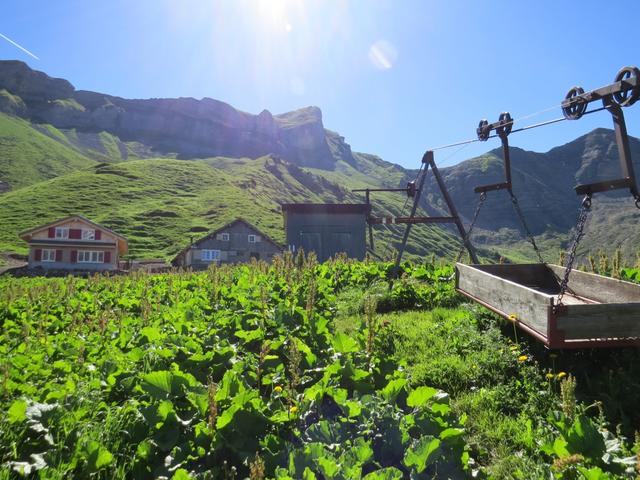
627	97
411	189
576	105
483	130
505	124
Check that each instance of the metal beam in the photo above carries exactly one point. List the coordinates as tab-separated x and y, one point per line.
453	211
406	220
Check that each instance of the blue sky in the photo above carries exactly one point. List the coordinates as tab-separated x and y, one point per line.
393	77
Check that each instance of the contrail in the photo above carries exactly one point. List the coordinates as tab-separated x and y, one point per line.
19	46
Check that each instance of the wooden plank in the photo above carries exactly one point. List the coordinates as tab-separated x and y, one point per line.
529	306
613	320
599	288
534	275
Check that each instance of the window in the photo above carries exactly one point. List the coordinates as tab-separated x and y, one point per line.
48	255
254	238
88	234
210	255
62	232
223	236
86	256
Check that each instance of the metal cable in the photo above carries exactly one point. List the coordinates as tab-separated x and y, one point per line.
522	129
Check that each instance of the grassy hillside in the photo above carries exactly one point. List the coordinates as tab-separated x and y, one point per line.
28	156
30	153
157	204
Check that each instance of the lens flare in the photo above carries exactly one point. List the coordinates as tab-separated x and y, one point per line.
383	55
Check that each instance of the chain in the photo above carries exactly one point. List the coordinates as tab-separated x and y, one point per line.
582	221
532	240
637	197
465	240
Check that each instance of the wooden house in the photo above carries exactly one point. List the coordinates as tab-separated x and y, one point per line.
236	242
326	228
74	243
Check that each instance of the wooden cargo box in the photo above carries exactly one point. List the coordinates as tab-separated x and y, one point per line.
596	311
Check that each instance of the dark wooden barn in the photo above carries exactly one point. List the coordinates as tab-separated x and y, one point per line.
326	229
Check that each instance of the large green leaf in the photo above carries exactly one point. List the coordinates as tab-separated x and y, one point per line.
157	384
391	391
421	453
389	473
344	343
421	396
17	411
181	474
97	456
583	437
594	473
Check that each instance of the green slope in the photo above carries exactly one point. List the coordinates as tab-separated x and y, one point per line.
157	204
28	156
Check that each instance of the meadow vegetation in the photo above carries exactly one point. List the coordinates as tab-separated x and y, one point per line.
297	370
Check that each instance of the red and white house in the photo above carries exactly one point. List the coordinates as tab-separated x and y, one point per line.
74	243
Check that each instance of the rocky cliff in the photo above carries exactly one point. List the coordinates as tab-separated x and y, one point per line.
185	127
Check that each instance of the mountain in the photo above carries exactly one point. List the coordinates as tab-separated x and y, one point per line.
183	127
162	170
544	184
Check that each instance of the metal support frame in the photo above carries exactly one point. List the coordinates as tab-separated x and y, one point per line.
503	129
415	191
624	92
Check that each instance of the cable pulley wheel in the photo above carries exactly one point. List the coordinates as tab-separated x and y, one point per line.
483	130
577	106
506	124
626	98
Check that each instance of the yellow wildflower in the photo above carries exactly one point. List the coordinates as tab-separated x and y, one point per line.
513	317
293	409
277	389
550	375
562	374
523	358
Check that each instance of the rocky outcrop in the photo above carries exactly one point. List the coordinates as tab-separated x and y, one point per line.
186	127
30	85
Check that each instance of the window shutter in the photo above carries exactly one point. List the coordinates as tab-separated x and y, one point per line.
75	233
52	232
74	256
58	255
98	235
107	257
38	255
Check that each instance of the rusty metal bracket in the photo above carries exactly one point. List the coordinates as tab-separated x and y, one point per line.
624	92
502	128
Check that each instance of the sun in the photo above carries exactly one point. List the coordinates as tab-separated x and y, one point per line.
277	15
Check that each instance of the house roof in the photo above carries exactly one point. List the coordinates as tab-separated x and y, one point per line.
330	208
225	227
26	234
